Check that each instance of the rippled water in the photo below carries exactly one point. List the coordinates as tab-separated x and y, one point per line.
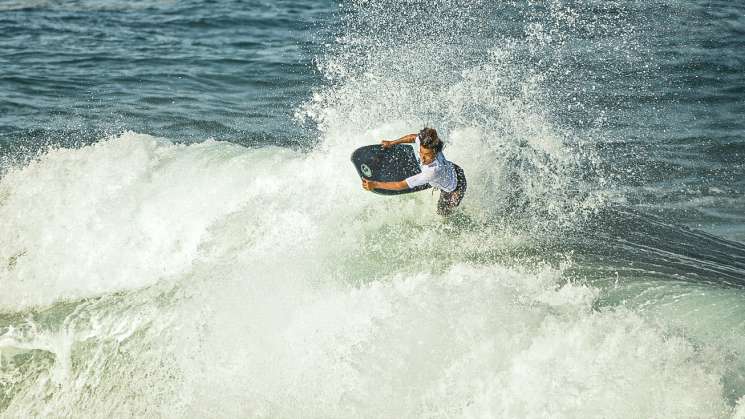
188	70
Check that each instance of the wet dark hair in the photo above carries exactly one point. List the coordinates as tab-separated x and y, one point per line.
428	139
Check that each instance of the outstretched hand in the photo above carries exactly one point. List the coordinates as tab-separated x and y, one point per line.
386	143
368	185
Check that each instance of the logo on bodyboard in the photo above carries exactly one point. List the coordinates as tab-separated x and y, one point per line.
366	170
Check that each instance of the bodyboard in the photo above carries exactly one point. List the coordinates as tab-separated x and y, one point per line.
393	164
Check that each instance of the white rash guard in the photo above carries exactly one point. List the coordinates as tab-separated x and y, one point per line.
440	173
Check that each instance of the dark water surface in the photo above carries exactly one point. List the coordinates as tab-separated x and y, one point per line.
188	70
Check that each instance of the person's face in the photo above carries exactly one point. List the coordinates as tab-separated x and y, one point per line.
428	154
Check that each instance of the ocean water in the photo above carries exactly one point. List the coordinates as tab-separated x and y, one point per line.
182	234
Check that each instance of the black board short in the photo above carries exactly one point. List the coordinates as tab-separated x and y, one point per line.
450	200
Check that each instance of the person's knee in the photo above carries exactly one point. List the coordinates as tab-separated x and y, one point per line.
442	208
445	209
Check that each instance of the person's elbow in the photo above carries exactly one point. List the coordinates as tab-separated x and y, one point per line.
402	185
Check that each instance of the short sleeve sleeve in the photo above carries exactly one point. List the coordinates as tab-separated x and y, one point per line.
419	179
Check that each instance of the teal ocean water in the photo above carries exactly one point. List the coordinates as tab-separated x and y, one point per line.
182	234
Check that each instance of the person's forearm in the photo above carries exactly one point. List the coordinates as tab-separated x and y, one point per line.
406	139
391	186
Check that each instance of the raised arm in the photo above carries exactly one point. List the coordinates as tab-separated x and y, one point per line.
406	139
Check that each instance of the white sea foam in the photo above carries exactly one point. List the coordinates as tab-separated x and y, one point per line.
470	342
118	214
273	300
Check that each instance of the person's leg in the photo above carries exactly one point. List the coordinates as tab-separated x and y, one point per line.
462	183
443	204
450	200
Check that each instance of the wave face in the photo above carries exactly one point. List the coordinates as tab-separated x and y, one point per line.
275	300
160	276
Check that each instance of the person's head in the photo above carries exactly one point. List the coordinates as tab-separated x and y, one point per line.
428	139
429	144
